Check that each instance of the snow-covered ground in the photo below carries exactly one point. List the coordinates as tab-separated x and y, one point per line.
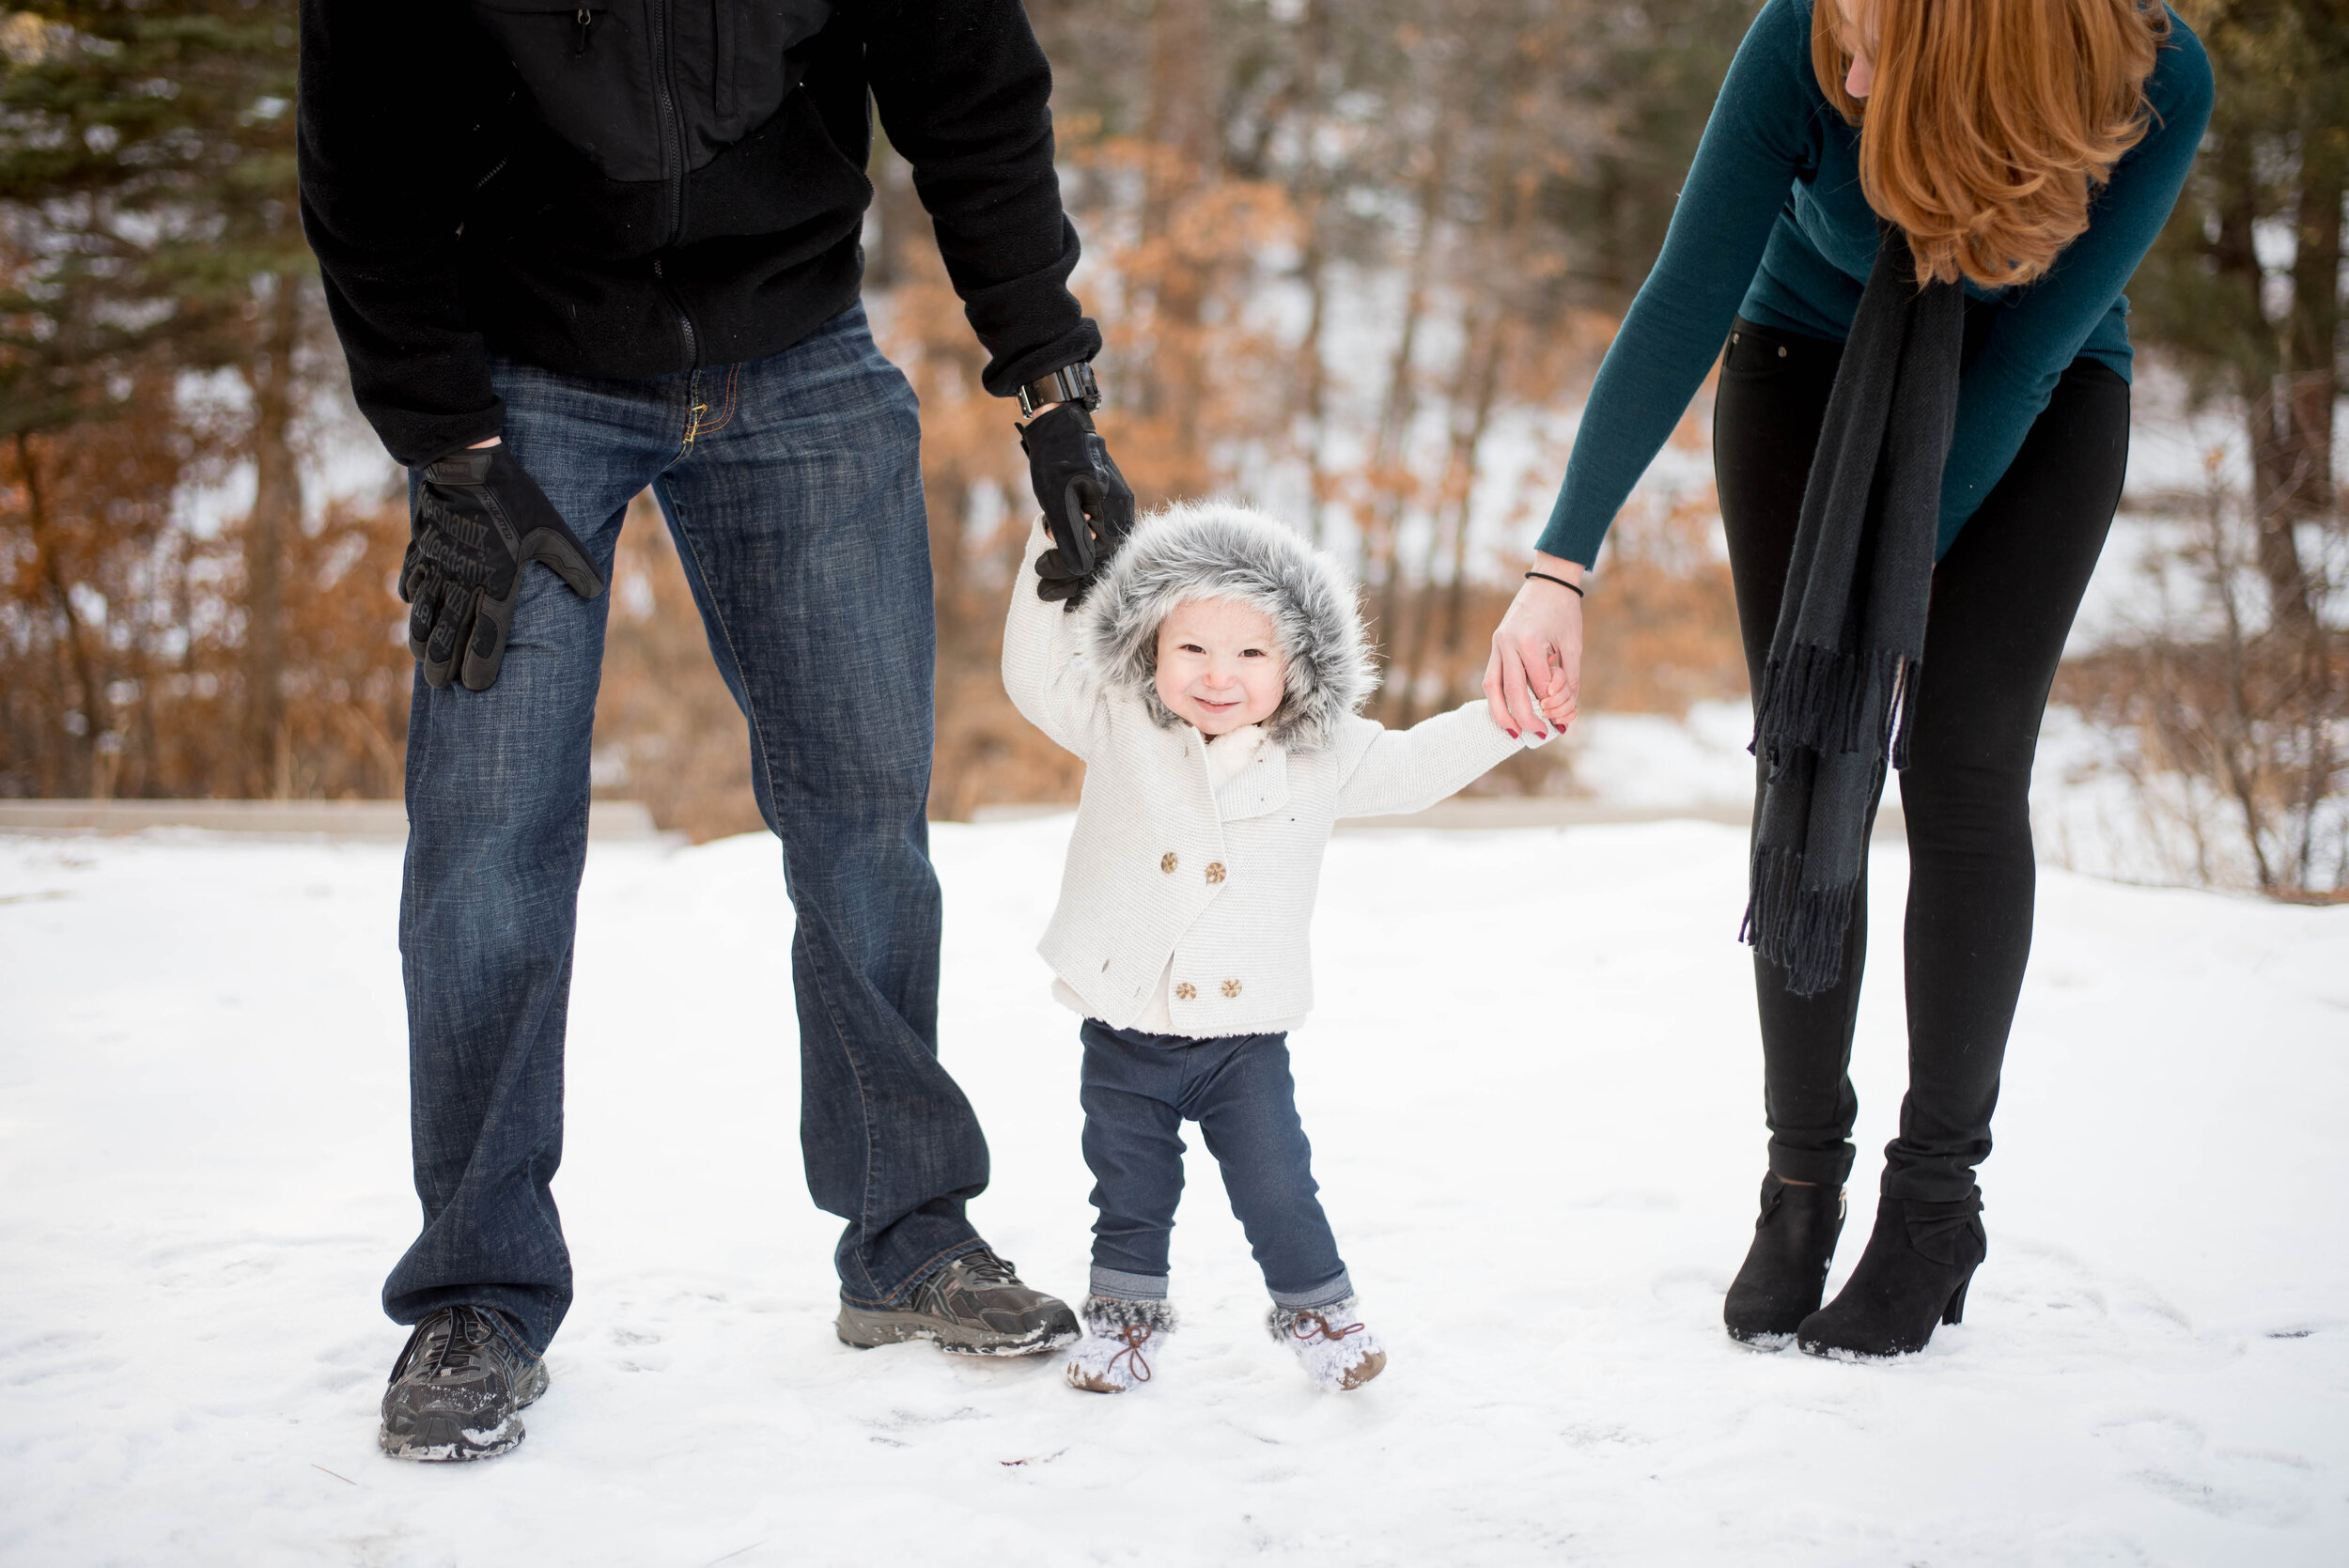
1533	1091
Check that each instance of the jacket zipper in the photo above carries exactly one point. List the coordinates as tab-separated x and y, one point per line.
684	322
673	165
672	122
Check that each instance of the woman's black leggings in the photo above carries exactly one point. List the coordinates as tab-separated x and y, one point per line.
2003	599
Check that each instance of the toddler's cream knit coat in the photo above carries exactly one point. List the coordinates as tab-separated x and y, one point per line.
1167	875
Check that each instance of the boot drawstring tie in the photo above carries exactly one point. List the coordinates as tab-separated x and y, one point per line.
1321	1329
1133	1336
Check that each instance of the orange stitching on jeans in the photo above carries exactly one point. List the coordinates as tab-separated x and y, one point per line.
725	404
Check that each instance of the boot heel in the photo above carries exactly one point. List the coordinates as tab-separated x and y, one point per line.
1915	1276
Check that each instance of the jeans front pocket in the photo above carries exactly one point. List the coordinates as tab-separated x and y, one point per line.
1753	354
1756	353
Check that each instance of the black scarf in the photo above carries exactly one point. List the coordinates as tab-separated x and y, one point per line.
1837	696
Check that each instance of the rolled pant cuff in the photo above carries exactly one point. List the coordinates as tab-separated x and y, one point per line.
1928	1187
1819	1167
1127	1287
525	1321
1327	1294
905	1286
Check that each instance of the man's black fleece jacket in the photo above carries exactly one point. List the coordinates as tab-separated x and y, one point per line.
630	188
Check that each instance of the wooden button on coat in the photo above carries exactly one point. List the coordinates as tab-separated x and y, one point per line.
1185	992
1215	871
1167	863
1231	988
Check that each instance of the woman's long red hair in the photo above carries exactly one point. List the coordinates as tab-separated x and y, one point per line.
1992	123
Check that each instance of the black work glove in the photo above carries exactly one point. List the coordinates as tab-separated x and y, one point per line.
1088	507
477	517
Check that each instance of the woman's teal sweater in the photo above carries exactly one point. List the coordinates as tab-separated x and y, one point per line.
1771	226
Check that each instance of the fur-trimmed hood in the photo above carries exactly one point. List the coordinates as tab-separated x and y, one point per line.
1215	550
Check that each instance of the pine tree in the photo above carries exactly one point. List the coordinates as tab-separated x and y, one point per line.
146	175
2244	323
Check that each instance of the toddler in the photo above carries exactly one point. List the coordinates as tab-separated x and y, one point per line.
1209	678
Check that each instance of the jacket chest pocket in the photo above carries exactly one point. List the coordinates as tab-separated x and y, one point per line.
589	69
744	69
648	89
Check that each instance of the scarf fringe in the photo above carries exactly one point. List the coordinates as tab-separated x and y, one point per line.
1799	928
1829	700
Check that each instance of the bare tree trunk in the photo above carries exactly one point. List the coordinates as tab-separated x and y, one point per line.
1312	374
1444	651
1312	39
2310	351
276	513
1475	389
1182	132
2310	387
2235	254
37	521
1381	561
2237	753
947	488
1502	249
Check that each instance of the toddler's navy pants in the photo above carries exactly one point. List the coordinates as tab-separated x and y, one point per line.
1138	1090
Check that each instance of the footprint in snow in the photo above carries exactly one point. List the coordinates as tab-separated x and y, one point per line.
2170	1457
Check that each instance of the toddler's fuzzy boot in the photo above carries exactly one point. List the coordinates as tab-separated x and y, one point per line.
1121	1336
1333	1344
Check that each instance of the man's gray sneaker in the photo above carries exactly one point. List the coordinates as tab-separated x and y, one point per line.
974	1305
456	1388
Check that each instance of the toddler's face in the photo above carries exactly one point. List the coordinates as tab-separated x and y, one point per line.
1220	667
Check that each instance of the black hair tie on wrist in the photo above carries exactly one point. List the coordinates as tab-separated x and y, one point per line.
1569	587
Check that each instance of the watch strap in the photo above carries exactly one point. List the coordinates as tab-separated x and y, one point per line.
1072	383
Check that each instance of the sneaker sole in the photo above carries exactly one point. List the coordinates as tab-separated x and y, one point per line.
444	1439
866	1329
440	1440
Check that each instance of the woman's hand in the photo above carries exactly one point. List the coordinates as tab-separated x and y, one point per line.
1535	673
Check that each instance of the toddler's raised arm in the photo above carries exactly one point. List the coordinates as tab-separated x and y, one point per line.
1045	671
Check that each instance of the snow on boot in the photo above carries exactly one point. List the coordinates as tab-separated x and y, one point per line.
971	1305
456	1388
1333	1344
1120	1338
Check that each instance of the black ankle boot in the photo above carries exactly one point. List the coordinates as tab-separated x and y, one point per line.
1912	1278
1785	1268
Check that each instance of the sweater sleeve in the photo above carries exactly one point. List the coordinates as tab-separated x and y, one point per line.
1400	770
1044	672
965	93
1754	143
2037	336
380	148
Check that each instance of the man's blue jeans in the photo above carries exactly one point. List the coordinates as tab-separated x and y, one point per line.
793	486
1138	1090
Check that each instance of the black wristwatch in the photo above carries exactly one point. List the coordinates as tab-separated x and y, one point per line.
1071	385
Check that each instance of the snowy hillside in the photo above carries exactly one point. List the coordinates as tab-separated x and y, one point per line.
1532	1089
